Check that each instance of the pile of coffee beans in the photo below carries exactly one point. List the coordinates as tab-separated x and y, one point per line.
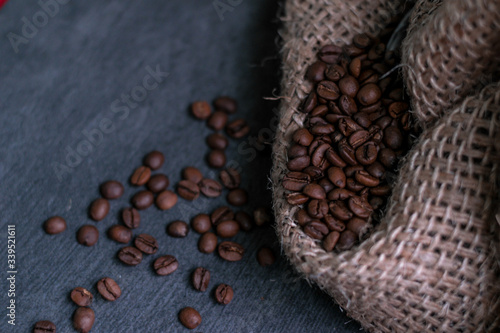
357	127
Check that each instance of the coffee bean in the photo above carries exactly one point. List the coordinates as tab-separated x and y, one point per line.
54	225
381	190
87	235
369	94
44	326
346	240
366	179
337	177
316	229
224	294
131	217
190	318
165	265
154	160
228	229
360	207
216	158
142	199
226	104
81	296
328	90
111	189
347	153
296	181
217	120
261	216
362	41
83	319
357	225
368	76
130	255
210	188
333	224
331	240
326	184
146	243
351	170
178	229
376	169
340	194
266	256
217	141
310	103
377	51
314	172
302	217
223	213
120	234
201	110
188	190
230	178
330	54
353	185
296	198
315	191
367	153
200	278
207	242
318	158
316	72
347	126
237	128
140	176
393	138
334	158
352	51
298	163
99	208
376	202
244	220
296	150
158	183
231	251
335	73
201	223
347	105
322	129
355	67
317	208
237	197
109	289
396	109
340	211
387	157
358	138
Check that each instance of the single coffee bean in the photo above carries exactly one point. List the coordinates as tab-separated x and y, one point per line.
296	150
224	294
347	105
318	158
244	220
44	326
217	120
230	178
210	188
340	211
190	318
328	90
231	251
81	296
330	54
87	235
237	197
217	141
201	223
109	289
369	94
309	103
83	319
347	153
266	256
358	138
228	229
352	51
340	194
316	72
346	240
302	217
296	198
207	242
178	229
322	129
314	172
296	181
387	157
381	190
129	255
367	153
353	185
317	208
347	126
377	51
146	243
351	170
355	67
393	138
326	184
154	160
315	191
226	104
337	177
331	240
200	278
216	158
158	183
165	265
120	234
54	225
335	73
303	137
376	169
261	216
237	128
201	110
334	158
316	229
223	213
99	208
131	217
333	224
192	174
188	190
366	179
362	41
360	207
142	199
298	163
357	225
397	109
111	189
140	176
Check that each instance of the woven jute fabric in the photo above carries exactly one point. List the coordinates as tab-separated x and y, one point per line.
431	264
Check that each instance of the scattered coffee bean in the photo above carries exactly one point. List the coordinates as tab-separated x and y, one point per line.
224	294
112	189
265	257
81	296
154	160
109	289
201	223
120	234
210	188
140	176
142	199
217	141
226	104
228	229
200	279
165	265
237	128
129	255
87	235
216	158
44	326
230	178
166	200
188	190
83	319
158	183
178	229
131	217
207	242
146	243
237	197
99	208
192	174
54	225
201	110
244	220
231	251
190	318
221	214
261	216
217	120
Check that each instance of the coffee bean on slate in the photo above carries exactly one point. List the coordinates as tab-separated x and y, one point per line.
158	183
201	110
44	326
83	319
296	181
330	53
216	158
302	217
165	265
178	229
331	240
369	94
120	234
346	240
166	200
201	223
109	289
207	242
296	198
87	235
217	120
146	243
217	141
81	296
190	318
226	104
316	72
131	217
237	128
316	229
140	176
54	225
337	177
221	214
154	160
231	251
200	278
261	216
99	208
237	197
366	179
130	255
244	220
224	294
317	208
111	189
192	174
357	225
142	199
188	190
328	90
210	188
265	256
227	229
230	178
333	224
315	191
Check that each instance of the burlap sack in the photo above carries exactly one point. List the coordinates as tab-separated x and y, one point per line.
430	265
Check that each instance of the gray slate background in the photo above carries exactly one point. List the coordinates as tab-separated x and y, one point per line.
62	83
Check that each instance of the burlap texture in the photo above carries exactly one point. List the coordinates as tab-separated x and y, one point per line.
430	265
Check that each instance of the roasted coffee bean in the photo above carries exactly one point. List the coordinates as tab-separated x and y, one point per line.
374	109
376	134
323	129
188	190
302	217
166	200
339	210
210	188
355	67
216	158
111	189
224	294
393	138
352	50
350	170
381	190
340	194
309	103
83	319
376	202
317	208
335	73
364	178
190	318
404	121
158	183
358	138
237	129
244	220
328	90
333	118
360	207
318	158
346	240
154	160
387	157
217	141
261	216
217	120
369	94
296	150
201	223
362	41
303	137
298	163
131	217
227	229
331	240
347	153
315	191
120	234
230	178
326	184
314	172
207	242
316	229
347	105
200	278
201	110
316	72
54	225
376	169
142	199
352	185
337	177
226	104
318	142
266	257
396	109
296	198
330	54
178	229
140	176
367	153
81	296
333	224
231	251
192	174
44	326
334	158
237	197
130	255
87	235
165	265
381	68
146	243
223	213
99	208
109	289
377	114
319	111
368	76
357	225
377	51
347	126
